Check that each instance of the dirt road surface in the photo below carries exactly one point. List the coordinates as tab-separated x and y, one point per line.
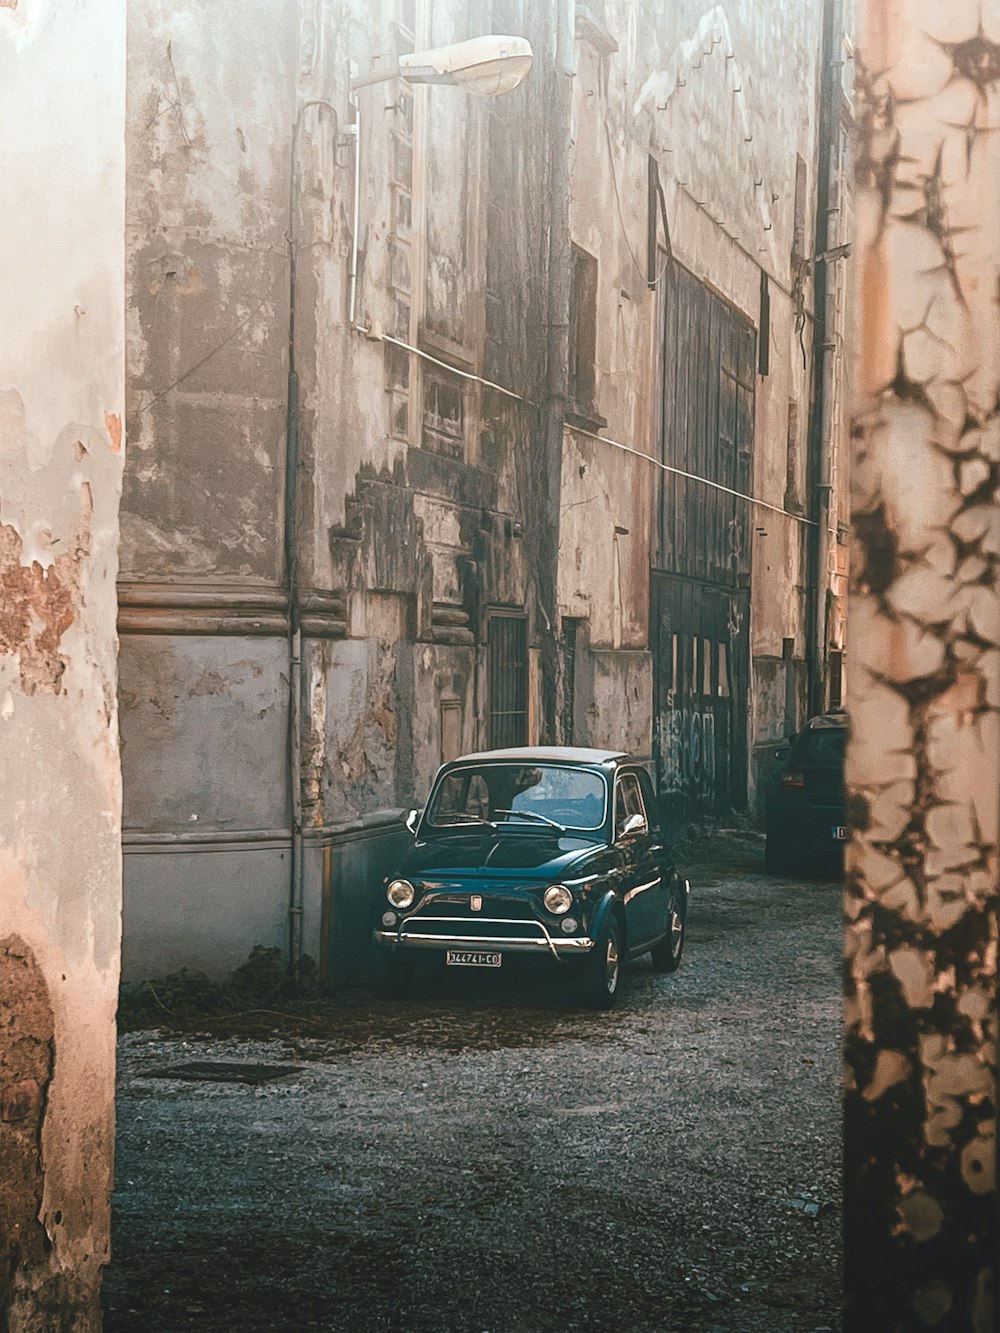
485	1157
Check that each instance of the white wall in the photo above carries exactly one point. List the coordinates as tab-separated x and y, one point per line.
62	81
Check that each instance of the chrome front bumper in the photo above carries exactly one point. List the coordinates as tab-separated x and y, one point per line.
559	947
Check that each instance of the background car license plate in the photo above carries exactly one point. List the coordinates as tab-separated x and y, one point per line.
467	958
839	832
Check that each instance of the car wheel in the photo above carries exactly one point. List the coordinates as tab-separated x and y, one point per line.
603	967
667	954
778	860
392	976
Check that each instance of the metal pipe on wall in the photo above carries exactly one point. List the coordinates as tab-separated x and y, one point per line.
354	129
824	333
291	552
559	286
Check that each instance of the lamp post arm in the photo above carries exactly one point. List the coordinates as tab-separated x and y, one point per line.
371	79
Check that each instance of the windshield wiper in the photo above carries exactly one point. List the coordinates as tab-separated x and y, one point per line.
533	814
445	821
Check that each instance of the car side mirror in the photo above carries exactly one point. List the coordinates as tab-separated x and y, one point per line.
634	824
412	820
782	753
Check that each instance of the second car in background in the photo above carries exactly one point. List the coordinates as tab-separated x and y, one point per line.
807	811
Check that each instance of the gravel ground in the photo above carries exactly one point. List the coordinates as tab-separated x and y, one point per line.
487	1158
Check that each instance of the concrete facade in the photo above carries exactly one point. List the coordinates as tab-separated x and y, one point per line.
61	454
921	899
361	484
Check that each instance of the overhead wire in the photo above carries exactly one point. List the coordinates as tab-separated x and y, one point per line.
693	476
580	430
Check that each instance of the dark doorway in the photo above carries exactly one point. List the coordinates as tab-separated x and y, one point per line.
701	644
507	679
700	594
569	643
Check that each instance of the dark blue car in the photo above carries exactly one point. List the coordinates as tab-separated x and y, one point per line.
807	811
552	853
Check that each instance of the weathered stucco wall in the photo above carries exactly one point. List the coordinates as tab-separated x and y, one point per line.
924	756
725	98
204	674
422	541
210	105
62	71
413	504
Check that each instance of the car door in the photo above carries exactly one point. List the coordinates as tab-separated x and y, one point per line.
659	897
638	859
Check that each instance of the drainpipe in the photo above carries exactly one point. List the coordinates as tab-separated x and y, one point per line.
291	579
824	346
354	130
560	280
291	559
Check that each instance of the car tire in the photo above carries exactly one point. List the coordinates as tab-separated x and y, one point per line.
666	955
603	967
392	976
778	859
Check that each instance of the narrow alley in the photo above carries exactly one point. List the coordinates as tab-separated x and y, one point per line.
488	1156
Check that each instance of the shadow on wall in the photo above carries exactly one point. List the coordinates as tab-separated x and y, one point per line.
348	868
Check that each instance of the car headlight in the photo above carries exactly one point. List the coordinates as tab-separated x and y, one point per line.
400	893
557	898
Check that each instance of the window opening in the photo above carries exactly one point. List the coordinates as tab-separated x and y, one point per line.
507	680
583	332
764	326
400	248
444	414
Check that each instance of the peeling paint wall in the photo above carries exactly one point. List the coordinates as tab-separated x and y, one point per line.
923	761
410	505
62	73
725	98
401	544
204	607
424	535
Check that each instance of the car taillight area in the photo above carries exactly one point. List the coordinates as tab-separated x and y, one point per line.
794	781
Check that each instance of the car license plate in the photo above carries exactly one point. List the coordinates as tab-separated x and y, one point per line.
467	958
839	832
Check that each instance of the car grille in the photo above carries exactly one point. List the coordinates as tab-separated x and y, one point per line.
508	909
476	927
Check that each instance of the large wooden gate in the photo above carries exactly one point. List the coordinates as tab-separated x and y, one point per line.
700	599
700	649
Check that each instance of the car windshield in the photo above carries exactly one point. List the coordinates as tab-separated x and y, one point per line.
537	796
822	747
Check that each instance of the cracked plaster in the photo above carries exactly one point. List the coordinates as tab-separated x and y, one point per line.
923	761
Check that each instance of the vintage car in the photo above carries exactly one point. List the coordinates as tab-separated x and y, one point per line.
807	810
550	852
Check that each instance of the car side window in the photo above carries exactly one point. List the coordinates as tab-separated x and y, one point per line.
628	800
649	800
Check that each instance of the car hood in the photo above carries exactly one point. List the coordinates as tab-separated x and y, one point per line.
497	855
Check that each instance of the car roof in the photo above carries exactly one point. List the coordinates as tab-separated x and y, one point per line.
544	754
833	719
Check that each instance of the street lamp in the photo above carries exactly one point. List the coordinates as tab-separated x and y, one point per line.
489	66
